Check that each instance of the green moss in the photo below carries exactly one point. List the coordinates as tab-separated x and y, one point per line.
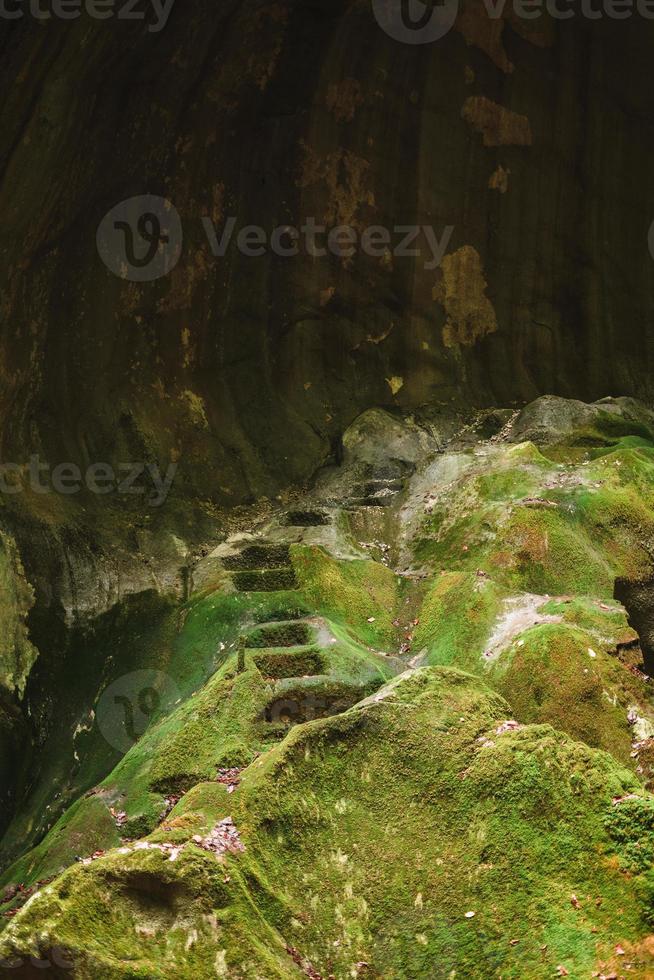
214	729
544	552
506	484
526	454
592	615
631	826
349	592
455	619
86	827
286	663
384	814
548	675
368	837
623	525
280	635
265	580
223	724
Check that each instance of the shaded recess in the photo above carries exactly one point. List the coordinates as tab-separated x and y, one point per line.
638	600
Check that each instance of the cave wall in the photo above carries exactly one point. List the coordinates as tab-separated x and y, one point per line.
534	143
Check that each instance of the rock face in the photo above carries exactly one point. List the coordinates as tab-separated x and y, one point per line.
246	370
366	689
401	722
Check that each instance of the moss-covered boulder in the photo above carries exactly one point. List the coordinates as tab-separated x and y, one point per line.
417	834
413	738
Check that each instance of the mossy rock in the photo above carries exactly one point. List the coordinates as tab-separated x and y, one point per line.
552	674
364	594
290	663
372	837
257	557
378	810
279	635
265	580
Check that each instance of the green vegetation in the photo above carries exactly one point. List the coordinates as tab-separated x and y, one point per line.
433	769
370	837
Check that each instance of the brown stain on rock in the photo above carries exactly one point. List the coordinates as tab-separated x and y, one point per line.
184	280
462	293
498	126
261	35
326	295
499	180
344	98
347	179
483	32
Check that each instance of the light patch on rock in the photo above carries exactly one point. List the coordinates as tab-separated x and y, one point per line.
462	293
81	726
484	32
188	351
643	728
196	408
326	295
347	179
520	613
497	125
499	180
344	98
17	653
220	963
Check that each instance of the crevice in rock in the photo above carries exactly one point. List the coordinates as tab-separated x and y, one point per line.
638	599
